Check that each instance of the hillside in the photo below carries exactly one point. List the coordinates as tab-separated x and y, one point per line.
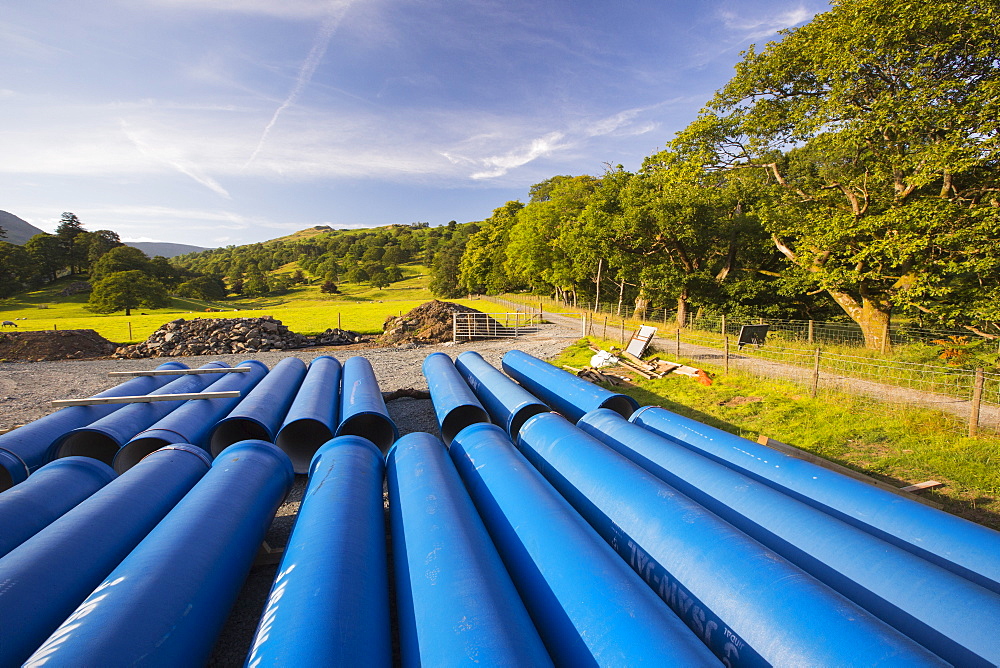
18	230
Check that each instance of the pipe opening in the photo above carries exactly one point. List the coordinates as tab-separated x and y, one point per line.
459	418
92	444
521	416
234	431
301	439
375	427
134	451
620	404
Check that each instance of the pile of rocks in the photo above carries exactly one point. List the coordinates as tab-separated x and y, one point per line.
221	336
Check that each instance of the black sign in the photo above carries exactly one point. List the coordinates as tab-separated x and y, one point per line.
752	334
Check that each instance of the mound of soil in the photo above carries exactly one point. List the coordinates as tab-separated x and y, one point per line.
431	322
69	344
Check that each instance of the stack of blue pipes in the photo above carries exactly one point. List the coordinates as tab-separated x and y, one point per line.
549	522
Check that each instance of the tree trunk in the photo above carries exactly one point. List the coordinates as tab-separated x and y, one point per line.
872	314
621	296
641	305
128	310
682	308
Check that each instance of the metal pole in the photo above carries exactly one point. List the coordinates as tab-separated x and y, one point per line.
977	402
815	378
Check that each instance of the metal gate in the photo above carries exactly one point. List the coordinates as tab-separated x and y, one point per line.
472	326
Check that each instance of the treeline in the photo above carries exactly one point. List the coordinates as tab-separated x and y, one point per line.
371	256
851	167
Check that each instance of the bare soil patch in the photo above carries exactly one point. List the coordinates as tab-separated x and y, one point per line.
431	322
70	344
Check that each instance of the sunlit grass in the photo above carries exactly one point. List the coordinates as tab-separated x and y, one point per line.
899	444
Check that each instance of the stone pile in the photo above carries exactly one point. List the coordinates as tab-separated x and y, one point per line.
221	336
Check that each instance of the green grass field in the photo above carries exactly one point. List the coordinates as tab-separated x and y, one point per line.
304	309
895	444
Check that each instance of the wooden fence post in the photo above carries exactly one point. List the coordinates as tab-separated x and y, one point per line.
723	328
678	343
130	331
810	336
976	404
605	327
815	378
726	356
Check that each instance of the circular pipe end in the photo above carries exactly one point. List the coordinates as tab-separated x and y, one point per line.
459	418
88	443
622	404
232	431
521	415
135	451
301	439
376	427
12	470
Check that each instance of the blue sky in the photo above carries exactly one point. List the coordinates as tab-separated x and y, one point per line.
216	122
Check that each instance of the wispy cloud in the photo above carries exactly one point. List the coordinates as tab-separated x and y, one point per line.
166	156
306	71
757	27
289	9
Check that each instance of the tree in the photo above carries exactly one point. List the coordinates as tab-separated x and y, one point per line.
118	259
127	290
203	287
877	124
329	288
68	230
380	279
16	268
48	254
94	245
482	265
256	283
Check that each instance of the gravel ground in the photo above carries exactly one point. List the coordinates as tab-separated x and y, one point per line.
27	388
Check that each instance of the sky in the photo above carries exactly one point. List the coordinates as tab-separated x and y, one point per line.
219	122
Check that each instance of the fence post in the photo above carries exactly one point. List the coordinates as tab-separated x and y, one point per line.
724	327
885	338
605	327
623	332
977	402
726	356
338	320
678	343
664	317
517	322
130	331
583	321
454	326
810	337
815	378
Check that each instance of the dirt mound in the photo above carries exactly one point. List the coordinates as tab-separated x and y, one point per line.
69	344
431	322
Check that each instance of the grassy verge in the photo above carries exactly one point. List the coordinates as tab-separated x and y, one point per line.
895	444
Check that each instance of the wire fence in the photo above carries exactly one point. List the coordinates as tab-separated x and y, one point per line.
793	351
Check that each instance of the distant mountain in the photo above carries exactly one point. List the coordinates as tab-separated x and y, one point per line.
18	231
154	248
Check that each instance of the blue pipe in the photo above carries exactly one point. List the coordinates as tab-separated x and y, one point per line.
448	572
455	406
568	395
508	404
969	549
314	414
193	421
48	576
922	600
749	605
102	439
26	448
589	607
47	495
362	409
329	605
259	414
165	604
